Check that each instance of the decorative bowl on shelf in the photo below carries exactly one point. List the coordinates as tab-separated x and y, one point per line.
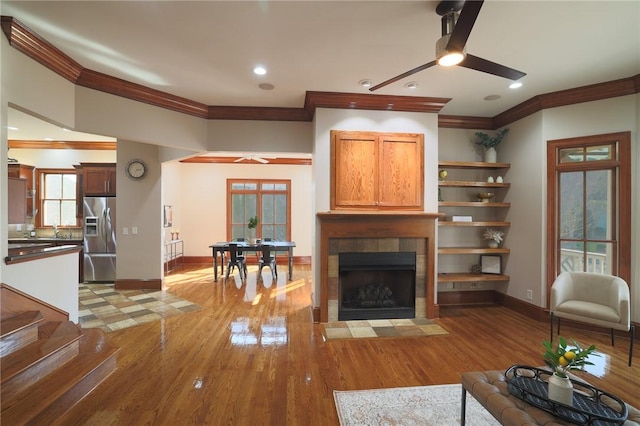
485	196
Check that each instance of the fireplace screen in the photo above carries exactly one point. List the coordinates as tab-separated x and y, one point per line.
376	285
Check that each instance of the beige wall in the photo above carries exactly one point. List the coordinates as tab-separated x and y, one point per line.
525	148
375	121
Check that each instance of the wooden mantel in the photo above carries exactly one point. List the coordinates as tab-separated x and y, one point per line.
356	224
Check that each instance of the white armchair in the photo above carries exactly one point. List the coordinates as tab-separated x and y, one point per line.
596	299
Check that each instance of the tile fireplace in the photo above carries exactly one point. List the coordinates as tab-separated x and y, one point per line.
399	234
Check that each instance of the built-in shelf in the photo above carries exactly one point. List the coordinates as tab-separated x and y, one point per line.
471	204
493	224
469	277
473	250
472	165
471	184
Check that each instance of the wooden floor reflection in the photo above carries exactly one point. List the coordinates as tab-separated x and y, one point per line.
253	356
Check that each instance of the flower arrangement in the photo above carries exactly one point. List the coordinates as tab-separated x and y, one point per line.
487	141
561	359
493	235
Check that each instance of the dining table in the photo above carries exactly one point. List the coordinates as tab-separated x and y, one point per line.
220	248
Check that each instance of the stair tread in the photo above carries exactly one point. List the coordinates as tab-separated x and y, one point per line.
96	351
52	337
18	322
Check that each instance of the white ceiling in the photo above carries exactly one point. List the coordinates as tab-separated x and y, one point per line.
206	50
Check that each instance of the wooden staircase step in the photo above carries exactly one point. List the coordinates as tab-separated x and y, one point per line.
57	344
58	392
19	331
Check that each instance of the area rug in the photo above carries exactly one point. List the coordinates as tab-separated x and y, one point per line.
437	405
101	306
413	327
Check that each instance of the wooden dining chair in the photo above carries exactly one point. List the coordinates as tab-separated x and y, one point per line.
236	259
268	258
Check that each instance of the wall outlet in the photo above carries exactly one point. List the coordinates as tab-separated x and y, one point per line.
529	294
134	230
125	231
450	286
474	285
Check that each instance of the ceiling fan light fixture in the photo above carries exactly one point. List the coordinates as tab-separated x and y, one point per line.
447	58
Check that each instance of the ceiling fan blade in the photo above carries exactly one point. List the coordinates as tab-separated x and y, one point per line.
403	75
479	64
261	160
238	160
464	25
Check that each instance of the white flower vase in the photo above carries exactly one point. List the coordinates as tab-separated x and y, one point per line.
490	155
560	390
493	244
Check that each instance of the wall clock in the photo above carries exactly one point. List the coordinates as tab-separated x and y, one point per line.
136	169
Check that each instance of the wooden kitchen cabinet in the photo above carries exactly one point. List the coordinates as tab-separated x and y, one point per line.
379	171
25	172
98	179
17	194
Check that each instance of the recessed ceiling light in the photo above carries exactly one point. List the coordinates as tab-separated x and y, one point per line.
492	97
12	128
515	85
266	86
365	83
260	70
412	85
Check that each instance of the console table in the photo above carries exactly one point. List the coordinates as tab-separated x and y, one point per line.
173	255
490	389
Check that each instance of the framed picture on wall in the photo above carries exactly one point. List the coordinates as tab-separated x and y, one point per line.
167	217
491	264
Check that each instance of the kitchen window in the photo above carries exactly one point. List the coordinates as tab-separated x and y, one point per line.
56	197
267	199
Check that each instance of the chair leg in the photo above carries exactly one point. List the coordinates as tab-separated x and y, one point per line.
612	341
632	332
551	327
559	319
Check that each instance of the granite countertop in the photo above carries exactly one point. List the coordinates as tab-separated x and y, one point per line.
25	252
38	240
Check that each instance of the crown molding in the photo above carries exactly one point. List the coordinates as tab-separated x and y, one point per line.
81	145
232	160
31	44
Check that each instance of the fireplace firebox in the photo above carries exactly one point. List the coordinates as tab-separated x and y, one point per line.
376	285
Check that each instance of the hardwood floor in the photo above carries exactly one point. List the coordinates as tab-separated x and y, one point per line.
252	356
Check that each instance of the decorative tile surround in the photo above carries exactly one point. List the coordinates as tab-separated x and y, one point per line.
376	245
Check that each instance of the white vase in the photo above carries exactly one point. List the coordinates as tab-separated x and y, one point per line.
560	389
490	155
493	244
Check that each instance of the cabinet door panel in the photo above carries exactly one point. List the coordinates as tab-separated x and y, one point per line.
17	197
356	175
401	171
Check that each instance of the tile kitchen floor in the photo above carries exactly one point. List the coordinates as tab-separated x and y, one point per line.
101	306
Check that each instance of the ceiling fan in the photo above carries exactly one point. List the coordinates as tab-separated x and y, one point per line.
458	18
253	157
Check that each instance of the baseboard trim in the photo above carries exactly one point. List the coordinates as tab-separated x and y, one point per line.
297	260
138	284
466	298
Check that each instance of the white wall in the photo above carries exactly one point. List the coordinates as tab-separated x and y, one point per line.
53	280
61	158
201	202
374	121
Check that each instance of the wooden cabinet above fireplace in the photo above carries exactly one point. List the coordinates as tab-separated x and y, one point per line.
377	171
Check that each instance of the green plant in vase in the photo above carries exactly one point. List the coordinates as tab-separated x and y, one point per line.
252	225
561	360
489	143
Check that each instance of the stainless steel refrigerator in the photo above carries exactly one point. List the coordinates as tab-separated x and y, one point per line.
100	239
